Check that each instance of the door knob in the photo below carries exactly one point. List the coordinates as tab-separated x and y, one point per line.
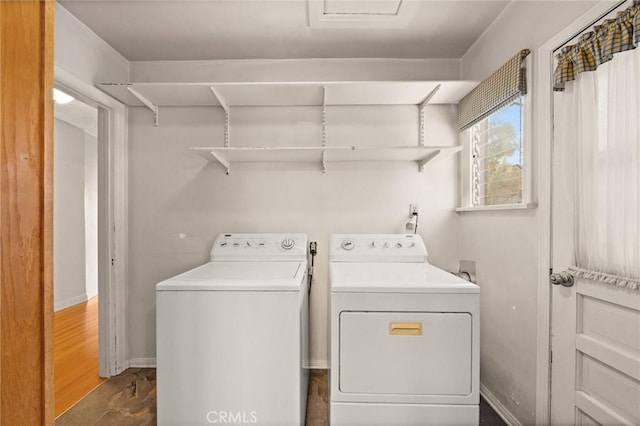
562	278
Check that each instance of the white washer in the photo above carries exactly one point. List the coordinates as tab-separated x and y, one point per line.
404	335
232	335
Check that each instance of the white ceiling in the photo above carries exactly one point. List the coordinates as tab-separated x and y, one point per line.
269	29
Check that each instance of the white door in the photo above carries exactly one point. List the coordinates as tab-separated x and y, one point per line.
595	328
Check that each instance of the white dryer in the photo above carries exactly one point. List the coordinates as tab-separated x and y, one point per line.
404	336
232	335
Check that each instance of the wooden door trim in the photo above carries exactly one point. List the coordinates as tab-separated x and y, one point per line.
26	220
543	120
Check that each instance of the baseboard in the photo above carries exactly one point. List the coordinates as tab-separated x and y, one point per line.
498	407
142	363
318	364
69	302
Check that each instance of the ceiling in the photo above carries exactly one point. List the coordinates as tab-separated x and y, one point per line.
269	29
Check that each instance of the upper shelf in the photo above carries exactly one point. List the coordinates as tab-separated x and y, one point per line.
324	154
331	93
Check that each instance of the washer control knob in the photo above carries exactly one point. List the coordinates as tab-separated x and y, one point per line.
223	244
236	244
386	244
288	243
348	244
399	244
412	244
373	244
248	243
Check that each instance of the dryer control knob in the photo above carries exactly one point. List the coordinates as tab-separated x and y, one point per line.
348	245
288	243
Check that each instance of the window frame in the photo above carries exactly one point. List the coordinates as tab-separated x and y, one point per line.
466	161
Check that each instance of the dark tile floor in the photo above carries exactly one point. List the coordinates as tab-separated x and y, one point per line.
130	399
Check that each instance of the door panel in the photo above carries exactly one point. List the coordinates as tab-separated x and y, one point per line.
595	331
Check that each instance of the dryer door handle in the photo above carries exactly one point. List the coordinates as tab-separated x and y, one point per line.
405	328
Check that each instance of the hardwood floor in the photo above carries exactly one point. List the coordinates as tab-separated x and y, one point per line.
75	353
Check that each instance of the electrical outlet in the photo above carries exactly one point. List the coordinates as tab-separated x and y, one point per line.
413	209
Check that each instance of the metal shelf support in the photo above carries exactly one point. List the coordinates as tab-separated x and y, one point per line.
421	111
227	113
324	128
221	100
425	160
221	160
227	131
154	108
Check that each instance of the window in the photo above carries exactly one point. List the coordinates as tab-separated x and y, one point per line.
493	121
496	150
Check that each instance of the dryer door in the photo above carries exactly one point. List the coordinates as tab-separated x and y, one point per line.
405	353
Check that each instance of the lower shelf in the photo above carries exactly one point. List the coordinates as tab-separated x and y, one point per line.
419	154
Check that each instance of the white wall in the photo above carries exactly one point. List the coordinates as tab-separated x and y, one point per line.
296	70
79	51
173	192
68	215
504	244
76	204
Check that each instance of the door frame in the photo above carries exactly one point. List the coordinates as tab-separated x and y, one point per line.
26	212
112	222
543	94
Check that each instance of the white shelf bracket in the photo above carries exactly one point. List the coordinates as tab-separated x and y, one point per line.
221	160
223	103
227	112
425	160
148	104
421	111
324	128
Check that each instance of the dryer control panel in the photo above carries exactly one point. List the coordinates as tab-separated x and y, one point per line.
377	248
260	247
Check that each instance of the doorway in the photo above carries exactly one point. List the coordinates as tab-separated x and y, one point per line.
595	255
75	242
104	199
595	317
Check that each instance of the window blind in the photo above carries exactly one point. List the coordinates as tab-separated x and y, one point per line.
499	89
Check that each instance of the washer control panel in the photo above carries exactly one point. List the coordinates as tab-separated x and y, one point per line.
260	247
377	248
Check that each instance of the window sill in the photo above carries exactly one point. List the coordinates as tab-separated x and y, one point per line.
522	206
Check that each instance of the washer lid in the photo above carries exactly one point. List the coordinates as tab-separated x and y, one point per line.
395	278
239	276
